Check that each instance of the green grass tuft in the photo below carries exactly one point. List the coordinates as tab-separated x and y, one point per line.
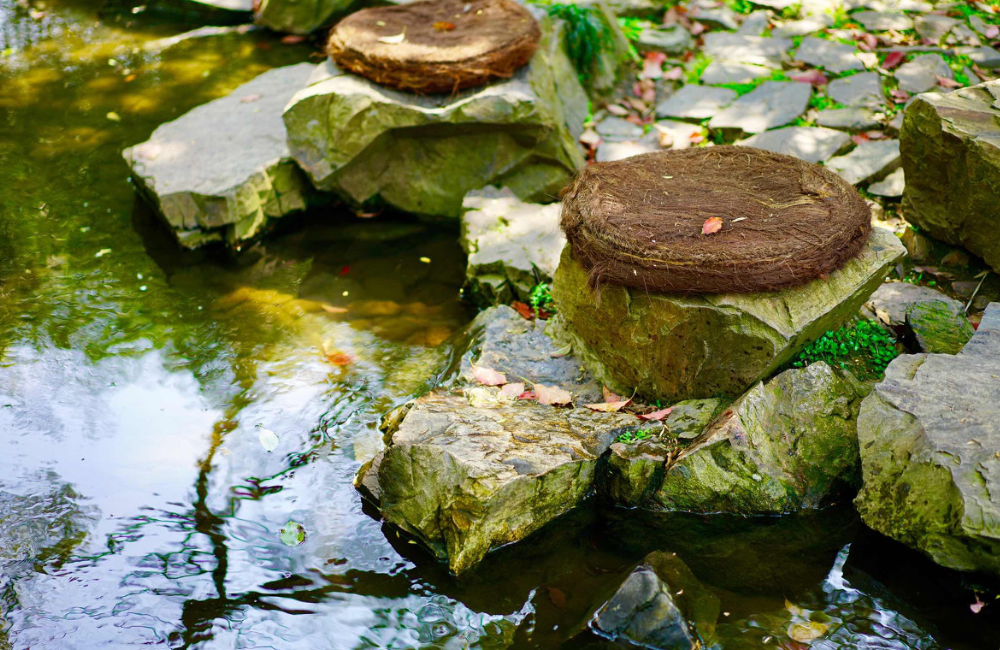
638	435
586	36
541	298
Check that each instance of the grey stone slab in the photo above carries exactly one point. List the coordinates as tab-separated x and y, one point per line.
617	128
891	301
868	160
771	104
984	56
759	50
829	55
810	143
979	25
755	23
897	5
697	102
965	35
880	21
862	89
891	186
727	72
920	74
933	27
852	118
804	27
720	17
670	39
896	123
610	151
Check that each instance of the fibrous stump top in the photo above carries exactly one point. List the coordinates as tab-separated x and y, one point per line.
436	46
639	222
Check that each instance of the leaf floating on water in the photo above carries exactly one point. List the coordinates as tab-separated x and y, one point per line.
552	395
443	26
807	631
268	440
712	225
977	606
339	358
293	534
488	376
114	117
657	415
393	40
557	597
512	391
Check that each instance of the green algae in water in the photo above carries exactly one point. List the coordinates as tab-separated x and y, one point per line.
862	347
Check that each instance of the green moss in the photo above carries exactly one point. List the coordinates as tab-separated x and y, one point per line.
863	347
740	6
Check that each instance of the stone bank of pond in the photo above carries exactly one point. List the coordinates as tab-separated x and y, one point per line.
138	506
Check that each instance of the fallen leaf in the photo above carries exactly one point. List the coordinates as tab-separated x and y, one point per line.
292	534
892	59
557	597
711	225
528	394
945	82
268	440
609	407
339	358
977	606
609	396
333	310
674	73
867	42
656	415
696	29
814	77
249	98
293	39
858	138
129	79
552	395
652	69
523	308
512	391
488	376
899	96
617	110
443	26
807	631
561	352
393	40
114	117
992	31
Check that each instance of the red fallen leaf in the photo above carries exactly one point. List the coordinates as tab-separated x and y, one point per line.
858	138
695	138
945	82
696	29
814	77
344	270
528	394
711	225
443	26
900	96
293	39
611	397
656	415
552	395
674	73
340	358
992	31
867	42
488	376
524	309
557	597
609	407
512	391
657	57
615	109
977	606
892	59
652	65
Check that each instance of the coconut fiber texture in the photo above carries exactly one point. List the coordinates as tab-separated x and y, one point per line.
638	222
446	45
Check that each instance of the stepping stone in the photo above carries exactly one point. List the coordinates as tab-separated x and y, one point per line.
696	102
933	27
920	74
676	135
771	104
804	27
719	17
880	21
617	128
891	186
611	151
851	119
727	72
669	39
755	23
984	57
868	160
862	89
829	55
746	49
223	170
810	143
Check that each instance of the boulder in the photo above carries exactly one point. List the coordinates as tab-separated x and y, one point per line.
661	604
891	302
223	171
939	326
299	16
467	479
950	147
674	347
786	445
928	438
423	154
512	245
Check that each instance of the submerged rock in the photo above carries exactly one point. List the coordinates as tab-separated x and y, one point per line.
423	154
675	347
299	16
512	245
787	445
950	146
466	479
928	435
222	171
660	605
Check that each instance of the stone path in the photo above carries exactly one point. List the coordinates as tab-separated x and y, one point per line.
828	87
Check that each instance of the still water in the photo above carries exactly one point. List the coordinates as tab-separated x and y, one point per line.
137	505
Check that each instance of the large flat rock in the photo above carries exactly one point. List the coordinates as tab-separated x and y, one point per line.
223	170
950	146
681	347
929	438
830	55
812	144
862	89
423	154
299	16
759	50
869	160
921	74
771	104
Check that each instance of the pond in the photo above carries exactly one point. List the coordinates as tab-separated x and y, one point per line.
138	506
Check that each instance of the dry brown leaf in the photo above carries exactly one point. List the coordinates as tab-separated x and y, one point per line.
488	376
609	407
552	395
657	415
712	225
512	391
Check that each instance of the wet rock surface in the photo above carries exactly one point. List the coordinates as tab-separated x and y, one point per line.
223	170
928	438
299	16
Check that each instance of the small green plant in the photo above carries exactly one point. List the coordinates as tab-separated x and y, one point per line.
541	298
630	437
586	36
632	27
864	348
697	68
791	12
840	17
959	63
740	6
822	102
